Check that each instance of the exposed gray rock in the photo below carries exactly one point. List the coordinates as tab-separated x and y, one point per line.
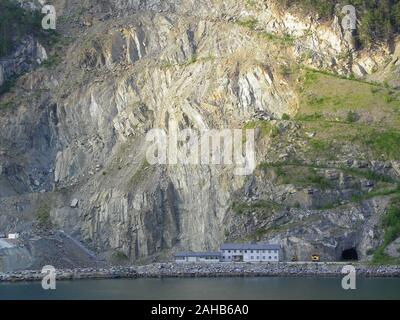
79	130
393	249
74	203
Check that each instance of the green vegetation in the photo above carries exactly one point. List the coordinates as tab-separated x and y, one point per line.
7	85
384	142
352	117
265	207
250	23
335	96
376	193
305	175
391	222
299	175
343	112
226	233
285	39
7	104
368	174
391	227
119	257
266	128
378	20
43	216
52	61
251	3
15	23
193	59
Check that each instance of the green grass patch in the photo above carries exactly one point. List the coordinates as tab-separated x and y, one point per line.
298	175
250	23
335	97
386	142
376	193
285	39
266	128
332	139
351	117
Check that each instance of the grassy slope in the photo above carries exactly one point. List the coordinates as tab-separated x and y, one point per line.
363	115
344	114
348	112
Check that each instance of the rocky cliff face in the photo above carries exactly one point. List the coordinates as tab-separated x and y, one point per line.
73	133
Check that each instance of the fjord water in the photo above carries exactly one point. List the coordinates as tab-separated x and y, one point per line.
206	288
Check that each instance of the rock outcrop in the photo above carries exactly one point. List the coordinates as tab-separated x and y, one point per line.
74	140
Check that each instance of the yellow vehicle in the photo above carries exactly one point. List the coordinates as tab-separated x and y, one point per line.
315	258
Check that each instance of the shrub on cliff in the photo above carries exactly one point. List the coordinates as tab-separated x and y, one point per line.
379	20
15	23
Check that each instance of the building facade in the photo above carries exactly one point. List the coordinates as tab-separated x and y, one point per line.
198	257
234	252
250	253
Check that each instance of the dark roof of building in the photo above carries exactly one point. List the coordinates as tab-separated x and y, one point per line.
250	246
198	254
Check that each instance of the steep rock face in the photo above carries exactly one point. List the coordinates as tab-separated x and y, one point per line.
139	65
28	55
144	75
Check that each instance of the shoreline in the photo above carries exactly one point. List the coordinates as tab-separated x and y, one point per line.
171	270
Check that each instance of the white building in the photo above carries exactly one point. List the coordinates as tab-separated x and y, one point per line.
198	257
250	252
13	236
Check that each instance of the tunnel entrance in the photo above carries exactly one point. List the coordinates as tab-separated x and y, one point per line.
350	254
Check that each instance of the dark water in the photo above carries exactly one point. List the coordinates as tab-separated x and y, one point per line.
206	288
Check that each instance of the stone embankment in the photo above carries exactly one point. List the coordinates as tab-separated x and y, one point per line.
208	270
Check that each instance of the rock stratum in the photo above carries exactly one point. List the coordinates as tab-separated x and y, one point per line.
73	128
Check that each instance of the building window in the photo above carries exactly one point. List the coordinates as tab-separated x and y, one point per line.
245	251
252	257
263	258
229	251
